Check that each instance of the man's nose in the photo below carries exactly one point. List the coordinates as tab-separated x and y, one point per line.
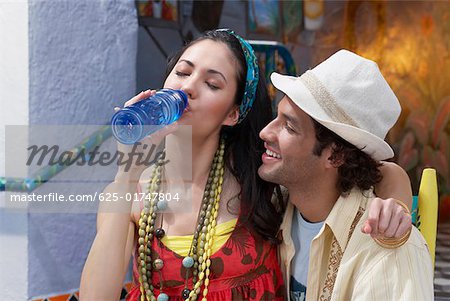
267	133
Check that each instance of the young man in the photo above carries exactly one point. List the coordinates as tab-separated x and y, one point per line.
324	147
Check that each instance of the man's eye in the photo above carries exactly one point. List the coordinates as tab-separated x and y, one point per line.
289	129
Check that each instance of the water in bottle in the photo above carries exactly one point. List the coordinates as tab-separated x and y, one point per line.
133	123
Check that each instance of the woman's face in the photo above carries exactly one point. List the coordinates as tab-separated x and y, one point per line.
207	73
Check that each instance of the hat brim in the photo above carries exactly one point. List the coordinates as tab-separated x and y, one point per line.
369	143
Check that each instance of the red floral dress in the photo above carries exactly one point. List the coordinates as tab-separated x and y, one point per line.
244	268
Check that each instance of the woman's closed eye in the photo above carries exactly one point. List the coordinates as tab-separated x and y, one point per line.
212	86
181	74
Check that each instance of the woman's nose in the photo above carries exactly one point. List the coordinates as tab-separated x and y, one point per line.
189	87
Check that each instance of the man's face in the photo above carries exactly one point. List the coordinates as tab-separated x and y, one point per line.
289	142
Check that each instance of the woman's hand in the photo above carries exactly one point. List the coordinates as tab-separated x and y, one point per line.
131	170
387	218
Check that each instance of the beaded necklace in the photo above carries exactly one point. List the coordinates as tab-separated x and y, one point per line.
198	259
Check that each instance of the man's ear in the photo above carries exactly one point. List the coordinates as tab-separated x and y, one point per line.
232	117
334	158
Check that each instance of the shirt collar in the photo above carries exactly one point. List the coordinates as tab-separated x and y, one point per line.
343	214
286	225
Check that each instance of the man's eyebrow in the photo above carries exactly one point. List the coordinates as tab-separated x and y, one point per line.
290	118
212	71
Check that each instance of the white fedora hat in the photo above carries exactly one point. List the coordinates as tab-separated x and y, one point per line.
347	94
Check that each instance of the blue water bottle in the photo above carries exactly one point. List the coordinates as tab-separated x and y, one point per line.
133	123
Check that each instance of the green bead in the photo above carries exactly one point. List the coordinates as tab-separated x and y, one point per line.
188	262
162	205
163	297
158	264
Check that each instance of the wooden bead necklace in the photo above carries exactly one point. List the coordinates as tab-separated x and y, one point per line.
198	259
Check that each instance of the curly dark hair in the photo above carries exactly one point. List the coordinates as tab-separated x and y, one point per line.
244	148
356	168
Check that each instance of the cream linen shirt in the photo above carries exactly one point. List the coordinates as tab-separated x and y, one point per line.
346	264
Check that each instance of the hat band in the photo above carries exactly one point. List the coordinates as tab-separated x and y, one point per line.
325	100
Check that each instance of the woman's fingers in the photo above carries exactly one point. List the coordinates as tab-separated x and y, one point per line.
405	225
156	137
143	95
385	215
371	224
394	223
386	218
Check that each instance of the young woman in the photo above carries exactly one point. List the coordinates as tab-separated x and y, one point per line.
225	247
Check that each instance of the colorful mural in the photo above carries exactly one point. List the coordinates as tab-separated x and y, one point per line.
158	9
410	41
275	19
264	17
